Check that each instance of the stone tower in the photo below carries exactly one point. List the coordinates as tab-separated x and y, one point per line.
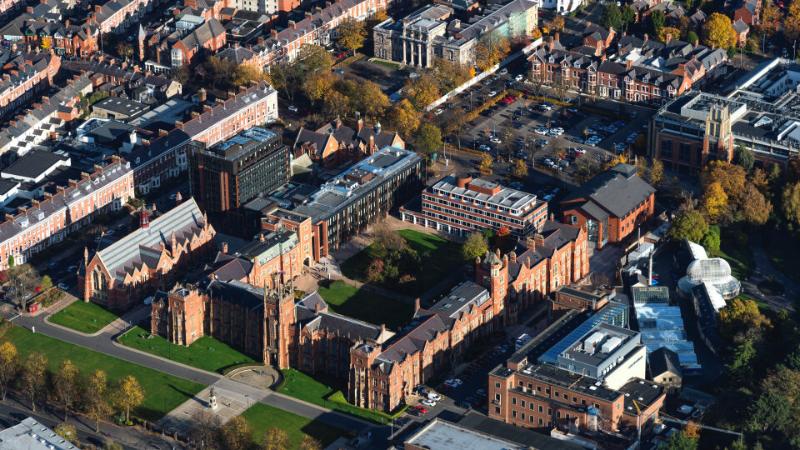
279	323
718	137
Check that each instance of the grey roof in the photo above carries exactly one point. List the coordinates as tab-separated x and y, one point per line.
33	164
555	236
204	33
663	360
20	67
740	27
442	435
61	200
119	105
228	267
460	299
618	190
238	55
313	311
137	247
528	438
32	435
422	330
237	293
274	244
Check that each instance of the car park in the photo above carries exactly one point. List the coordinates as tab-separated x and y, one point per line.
420	409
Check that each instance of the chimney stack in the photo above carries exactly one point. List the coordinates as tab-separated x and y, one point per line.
417	306
144	218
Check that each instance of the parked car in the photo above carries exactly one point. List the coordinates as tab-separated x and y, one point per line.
438	111
453	382
503	71
427	402
519	78
292	108
484	148
492	93
420	409
495	140
434	396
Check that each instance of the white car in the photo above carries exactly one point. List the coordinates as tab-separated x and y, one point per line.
492	93
518	78
434	396
438	111
495	140
292	108
484	148
504	71
428	403
540	130
63	286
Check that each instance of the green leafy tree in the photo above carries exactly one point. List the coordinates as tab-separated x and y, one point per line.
475	246
744	157
612	16
680	441
689	224
428	138
711	241
740	317
742	355
351	34
692	37
657	21
628	16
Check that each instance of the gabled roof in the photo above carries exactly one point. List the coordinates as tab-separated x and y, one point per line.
618	190
663	360
183	221
238	293
555	235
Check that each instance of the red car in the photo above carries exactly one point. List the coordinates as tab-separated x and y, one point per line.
509	100
421	409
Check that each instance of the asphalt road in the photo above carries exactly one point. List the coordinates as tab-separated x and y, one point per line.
103	343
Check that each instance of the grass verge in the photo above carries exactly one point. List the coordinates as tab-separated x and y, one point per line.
261	417
162	392
84	317
205	353
302	386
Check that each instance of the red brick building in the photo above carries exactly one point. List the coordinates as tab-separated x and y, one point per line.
611	205
209	36
51	219
748	11
335	144
121	274
25	75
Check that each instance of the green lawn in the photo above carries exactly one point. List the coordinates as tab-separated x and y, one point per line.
205	353
84	317
162	392
262	417
299	385
367	306
438	259
782	249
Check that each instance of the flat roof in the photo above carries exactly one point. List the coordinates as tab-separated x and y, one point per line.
121	106
508	198
33	164
441	435
32	435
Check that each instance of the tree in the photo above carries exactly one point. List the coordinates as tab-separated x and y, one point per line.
744	157
715	201
67	431
718	32
688	224
65	385
740	316
422	91
24	279
612	16
770	19
111	445
520	169
206	431
403	118
32	379
557	24
755	206
352	34
94	398
790	200
656	173
309	443
336	104
370	99
235	435
450	74
9	365
46	282
247	74
276	439
475	246
711	240
128	395
375	271
668	33
486	164
742	355
692	37
771	411
490	50
628	16
791	24
124	50
428	138
317	85
657	21
680	441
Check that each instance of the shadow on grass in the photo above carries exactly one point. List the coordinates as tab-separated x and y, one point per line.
364	305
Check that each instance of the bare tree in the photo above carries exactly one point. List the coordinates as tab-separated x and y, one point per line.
32	378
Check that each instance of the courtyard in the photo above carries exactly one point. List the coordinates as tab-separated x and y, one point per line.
205	353
362	304
437	259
